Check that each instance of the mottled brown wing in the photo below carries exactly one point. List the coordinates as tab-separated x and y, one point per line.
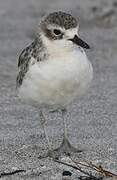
34	50
24	61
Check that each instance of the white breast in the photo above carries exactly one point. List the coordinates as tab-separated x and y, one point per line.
57	81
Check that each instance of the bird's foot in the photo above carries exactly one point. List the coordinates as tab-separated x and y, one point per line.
65	148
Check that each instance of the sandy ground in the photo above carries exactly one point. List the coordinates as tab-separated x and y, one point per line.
92	121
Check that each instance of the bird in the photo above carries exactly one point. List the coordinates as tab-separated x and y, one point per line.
54	69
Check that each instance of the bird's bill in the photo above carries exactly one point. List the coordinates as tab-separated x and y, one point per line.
80	42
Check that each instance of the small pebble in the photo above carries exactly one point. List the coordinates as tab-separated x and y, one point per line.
67	175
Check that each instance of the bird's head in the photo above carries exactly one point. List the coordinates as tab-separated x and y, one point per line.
60	31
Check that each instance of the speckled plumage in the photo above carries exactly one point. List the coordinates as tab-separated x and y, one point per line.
61	19
25	59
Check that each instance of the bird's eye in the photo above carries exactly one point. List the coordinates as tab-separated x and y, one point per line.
57	32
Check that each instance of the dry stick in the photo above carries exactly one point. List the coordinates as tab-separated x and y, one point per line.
11	173
74	167
105	172
82	164
96	168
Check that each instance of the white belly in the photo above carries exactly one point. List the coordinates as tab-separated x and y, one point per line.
57	82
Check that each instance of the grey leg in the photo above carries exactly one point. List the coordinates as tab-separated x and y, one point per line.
64	123
66	145
42	122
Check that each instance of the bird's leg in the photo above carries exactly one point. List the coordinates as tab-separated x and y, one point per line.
66	145
42	122
65	135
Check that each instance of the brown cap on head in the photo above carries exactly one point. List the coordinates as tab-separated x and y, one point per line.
61	19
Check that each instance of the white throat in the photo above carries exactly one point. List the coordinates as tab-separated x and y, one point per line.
61	47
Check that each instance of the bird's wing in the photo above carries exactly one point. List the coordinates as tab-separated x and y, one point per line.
25	59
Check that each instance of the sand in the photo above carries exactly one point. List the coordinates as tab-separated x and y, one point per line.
92	121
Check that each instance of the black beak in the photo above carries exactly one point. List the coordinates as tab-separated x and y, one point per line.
80	42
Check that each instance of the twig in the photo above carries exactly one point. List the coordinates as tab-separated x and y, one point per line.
11	173
96	168
79	165
105	172
85	164
75	167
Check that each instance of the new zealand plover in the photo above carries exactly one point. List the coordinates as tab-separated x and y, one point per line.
54	70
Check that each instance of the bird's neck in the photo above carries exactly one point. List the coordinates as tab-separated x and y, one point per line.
56	48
